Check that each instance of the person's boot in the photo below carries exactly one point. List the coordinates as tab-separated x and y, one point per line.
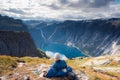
71	76
44	73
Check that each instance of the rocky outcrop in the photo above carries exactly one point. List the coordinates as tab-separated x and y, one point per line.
35	73
102	60
84	68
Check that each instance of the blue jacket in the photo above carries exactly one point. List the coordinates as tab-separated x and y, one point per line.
57	69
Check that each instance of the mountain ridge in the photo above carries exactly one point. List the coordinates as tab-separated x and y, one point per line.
11	24
94	37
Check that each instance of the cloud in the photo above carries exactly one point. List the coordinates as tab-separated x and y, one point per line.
14	10
60	9
116	15
63	1
80	4
100	3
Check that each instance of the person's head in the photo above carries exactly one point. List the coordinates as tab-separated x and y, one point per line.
57	56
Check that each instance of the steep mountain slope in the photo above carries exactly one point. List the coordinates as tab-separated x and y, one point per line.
93	37
14	38
9	23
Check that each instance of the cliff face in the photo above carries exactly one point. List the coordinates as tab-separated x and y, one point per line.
93	37
17	44
14	38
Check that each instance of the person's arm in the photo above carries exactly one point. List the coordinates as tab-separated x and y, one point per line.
65	64
54	66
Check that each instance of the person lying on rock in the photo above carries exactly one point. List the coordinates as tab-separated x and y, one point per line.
59	68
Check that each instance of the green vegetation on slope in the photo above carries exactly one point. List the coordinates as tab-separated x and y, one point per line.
42	53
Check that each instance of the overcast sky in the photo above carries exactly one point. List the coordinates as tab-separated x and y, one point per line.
60	9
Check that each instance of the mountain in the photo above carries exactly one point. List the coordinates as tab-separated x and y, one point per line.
15	39
92	37
11	24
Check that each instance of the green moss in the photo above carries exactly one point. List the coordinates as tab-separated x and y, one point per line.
97	78
35	60
26	59
82	61
42	53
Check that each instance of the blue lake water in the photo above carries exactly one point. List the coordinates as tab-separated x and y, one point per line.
68	51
